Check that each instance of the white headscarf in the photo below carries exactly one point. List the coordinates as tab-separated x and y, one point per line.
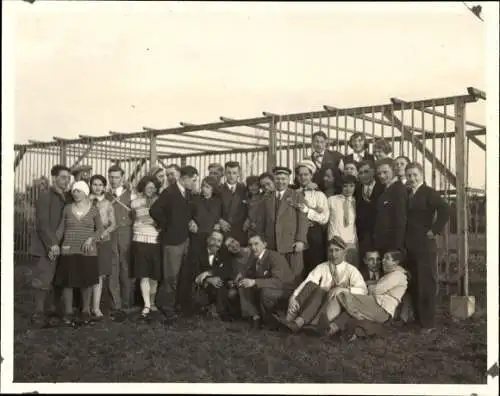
81	186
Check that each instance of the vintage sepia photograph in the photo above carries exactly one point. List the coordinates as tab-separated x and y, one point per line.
250	197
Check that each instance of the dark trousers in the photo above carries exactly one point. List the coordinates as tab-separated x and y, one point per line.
225	299
316	251
296	262
262	302
365	244
421	263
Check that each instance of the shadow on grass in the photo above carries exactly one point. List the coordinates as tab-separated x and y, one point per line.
201	350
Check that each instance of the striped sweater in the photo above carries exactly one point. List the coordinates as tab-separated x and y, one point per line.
144	228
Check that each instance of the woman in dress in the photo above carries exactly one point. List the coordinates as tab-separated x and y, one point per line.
80	228
98	185
206	213
146	248
254	198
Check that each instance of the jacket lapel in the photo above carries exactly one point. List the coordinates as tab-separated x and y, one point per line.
283	202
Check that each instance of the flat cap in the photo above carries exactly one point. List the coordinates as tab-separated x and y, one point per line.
338	241
80	168
279	170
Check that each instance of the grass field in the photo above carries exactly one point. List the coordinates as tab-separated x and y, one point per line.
203	350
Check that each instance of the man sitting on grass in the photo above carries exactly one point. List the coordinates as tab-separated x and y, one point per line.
311	303
366	313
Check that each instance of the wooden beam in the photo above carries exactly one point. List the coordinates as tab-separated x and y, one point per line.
376	120
436	113
83	155
407	135
19	157
153	155
271	151
478	143
136	170
232	133
477	93
461	203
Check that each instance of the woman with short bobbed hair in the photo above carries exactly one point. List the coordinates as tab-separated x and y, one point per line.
381	149
98	184
146	248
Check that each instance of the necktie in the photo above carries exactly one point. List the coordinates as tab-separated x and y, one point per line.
257	265
347	213
366	192
411	194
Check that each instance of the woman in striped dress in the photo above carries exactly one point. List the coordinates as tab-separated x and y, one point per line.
98	185
146	248
81	227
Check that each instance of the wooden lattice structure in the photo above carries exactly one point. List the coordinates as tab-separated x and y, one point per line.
434	132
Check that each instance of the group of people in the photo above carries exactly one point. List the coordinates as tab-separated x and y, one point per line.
339	245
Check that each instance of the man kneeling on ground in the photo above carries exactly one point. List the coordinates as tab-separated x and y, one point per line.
313	302
265	284
214	280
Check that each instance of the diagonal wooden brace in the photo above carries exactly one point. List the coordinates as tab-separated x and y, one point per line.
406	133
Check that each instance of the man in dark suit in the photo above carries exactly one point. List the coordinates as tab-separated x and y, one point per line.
391	213
427	216
172	212
234	208
283	224
322	157
265	284
366	195
214	277
44	243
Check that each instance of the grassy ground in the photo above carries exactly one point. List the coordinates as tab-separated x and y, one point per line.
203	350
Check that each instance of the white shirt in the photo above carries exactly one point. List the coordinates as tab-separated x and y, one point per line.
232	187
119	191
316	199
336	225
211	257
358	157
327	276
182	189
261	255
279	194
390	289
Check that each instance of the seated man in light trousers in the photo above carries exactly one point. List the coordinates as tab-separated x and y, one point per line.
313	302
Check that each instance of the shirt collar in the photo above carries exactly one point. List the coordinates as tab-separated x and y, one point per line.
261	255
360	155
231	187
181	188
98	197
371	185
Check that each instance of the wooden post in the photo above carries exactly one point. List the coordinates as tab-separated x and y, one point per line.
271	151
19	157
153	156
63	154
463	305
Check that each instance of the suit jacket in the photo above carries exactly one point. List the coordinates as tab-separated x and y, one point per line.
330	159
273	272
206	212
285	225
426	211
235	210
390	219
366	210
172	212
221	265
49	208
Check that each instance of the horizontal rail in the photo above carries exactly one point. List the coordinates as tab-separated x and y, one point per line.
352	111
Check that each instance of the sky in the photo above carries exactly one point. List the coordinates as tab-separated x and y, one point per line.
91	67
